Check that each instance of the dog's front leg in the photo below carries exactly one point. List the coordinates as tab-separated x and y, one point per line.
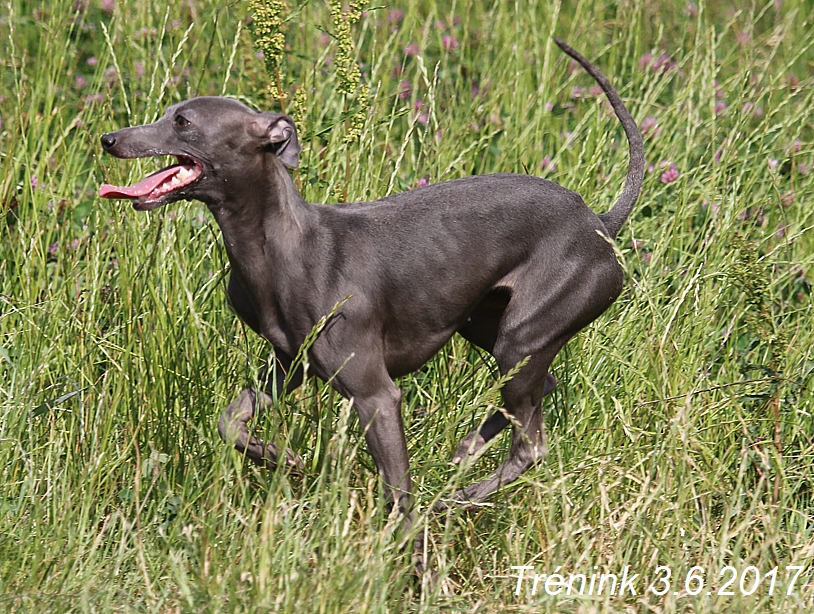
233	425
380	418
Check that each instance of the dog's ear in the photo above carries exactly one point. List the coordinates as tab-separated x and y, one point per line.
278	132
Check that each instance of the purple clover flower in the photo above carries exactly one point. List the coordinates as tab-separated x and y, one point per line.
670	175
548	165
649	127
405	90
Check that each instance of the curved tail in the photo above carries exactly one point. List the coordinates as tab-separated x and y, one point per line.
615	218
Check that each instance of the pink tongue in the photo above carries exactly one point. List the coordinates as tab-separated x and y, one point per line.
142	188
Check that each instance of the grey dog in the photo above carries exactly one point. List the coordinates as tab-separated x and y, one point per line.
515	264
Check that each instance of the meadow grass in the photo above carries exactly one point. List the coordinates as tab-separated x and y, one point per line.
680	434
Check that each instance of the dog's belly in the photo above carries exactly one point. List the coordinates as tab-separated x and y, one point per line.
403	356
416	332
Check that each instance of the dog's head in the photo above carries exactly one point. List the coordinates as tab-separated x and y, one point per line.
215	141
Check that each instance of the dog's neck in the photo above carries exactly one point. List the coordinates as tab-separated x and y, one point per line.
264	198
264	232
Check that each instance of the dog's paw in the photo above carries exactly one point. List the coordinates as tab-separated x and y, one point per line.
469	447
294	461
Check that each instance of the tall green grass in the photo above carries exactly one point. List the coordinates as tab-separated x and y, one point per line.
680	434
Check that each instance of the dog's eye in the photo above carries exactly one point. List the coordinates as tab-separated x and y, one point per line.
181	121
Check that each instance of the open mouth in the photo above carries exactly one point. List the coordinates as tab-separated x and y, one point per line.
152	191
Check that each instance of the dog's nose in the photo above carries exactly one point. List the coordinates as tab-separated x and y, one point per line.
108	140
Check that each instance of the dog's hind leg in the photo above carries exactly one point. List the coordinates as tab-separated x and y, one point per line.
522	398
537	323
494	424
233	425
481	329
